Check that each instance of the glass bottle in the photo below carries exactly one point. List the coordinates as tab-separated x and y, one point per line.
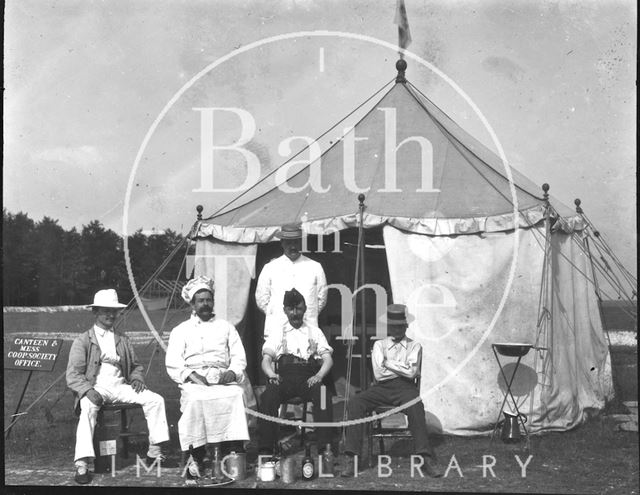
328	460
277	457
216	473
308	466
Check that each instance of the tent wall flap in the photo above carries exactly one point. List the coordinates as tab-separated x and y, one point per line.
454	287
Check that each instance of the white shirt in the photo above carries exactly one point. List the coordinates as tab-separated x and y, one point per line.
303	342
406	354
281	275
109	373
205	347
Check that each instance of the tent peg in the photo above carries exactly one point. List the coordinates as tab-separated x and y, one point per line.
401	66
199	209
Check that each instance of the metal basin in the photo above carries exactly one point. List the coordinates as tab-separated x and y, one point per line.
513	349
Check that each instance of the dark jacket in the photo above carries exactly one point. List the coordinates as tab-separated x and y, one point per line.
84	363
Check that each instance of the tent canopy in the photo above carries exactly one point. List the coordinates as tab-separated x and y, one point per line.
419	171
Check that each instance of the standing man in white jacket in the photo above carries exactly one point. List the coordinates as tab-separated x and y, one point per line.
292	270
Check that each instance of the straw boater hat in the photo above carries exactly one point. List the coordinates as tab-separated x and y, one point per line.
290	231
397	315
107	298
194	285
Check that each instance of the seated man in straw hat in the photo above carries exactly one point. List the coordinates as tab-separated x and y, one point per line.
292	269
103	368
396	363
206	358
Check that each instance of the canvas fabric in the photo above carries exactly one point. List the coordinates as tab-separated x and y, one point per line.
232	267
469	292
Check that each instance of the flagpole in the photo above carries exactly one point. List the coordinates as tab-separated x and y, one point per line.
402	21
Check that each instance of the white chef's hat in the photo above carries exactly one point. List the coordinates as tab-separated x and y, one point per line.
194	285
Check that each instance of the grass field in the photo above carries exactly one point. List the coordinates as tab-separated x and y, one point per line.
594	458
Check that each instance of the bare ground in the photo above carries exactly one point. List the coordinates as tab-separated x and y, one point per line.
594	458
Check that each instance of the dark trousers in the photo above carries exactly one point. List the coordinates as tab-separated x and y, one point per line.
276	394
394	392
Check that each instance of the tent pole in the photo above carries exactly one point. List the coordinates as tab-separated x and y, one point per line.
351	342
363	317
544	325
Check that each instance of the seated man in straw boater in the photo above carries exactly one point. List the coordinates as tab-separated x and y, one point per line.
396	363
103	368
296	358
206	358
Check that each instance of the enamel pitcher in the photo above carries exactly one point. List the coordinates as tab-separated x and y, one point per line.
235	465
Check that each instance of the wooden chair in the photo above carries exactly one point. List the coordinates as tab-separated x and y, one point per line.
380	432
296	401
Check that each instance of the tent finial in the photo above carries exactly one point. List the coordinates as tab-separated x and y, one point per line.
545	188
401	66
578	208
361	199
199	209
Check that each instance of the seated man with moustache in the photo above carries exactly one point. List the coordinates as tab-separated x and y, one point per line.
303	358
206	358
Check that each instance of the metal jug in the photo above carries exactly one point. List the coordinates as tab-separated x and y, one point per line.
234	465
511	427
288	468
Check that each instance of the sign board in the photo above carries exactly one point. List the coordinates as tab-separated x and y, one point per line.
108	447
32	354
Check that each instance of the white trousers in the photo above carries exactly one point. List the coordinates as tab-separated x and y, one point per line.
152	406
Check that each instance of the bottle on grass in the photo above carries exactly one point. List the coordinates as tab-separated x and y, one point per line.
308	466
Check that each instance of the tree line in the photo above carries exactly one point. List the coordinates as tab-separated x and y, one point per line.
45	265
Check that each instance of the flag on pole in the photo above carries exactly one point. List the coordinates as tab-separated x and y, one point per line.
401	20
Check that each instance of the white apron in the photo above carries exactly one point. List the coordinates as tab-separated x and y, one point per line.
211	414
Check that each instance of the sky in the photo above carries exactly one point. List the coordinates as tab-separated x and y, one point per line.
85	81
